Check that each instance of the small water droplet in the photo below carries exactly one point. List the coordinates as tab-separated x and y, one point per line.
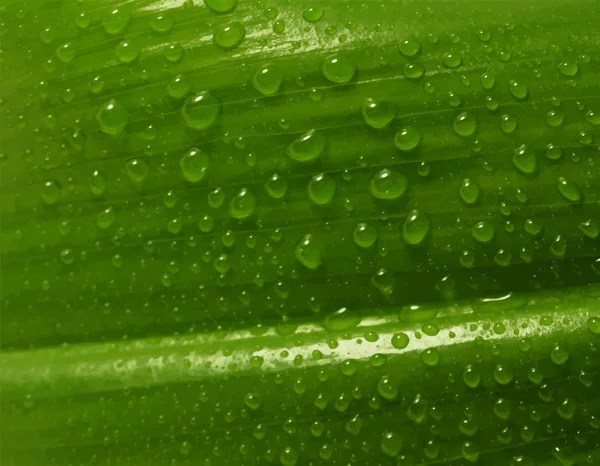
378	114
229	36
201	110
338	68
307	147
388	185
242	204
112	117
194	164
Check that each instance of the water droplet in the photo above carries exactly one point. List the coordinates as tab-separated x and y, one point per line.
82	20
50	192
386	388
267	79
518	89
569	190
308	252
378	114
66	52
97	183
173	52
491	103
106	218
465	124
276	186
488	80
503	375
483	232
391	443
338	68
221	6
471	377
568	68
321	189
594	325
117	20
288	457
416	228
201	110
242	204
178	87
559	354
589	228
364	235
469	192
252	401
407	138
137	169
229	36
409	47
592	118
553	152
585	138
508	123
384	281
555	118
388	185
400	340
112	117
161	23
430	357
313	14
96	84
307	147
194	164
127	51
452	60
524	160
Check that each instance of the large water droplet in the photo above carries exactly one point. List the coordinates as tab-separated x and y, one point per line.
483	232
569	190
276	186
416	227
194	164
307	147
338	68
321	189
465	124
364	235
409	47
201	110
518	89
117	20
407	138
243	204
388	185
267	79
378	114
229	36
221	6
524	160
308	252
112	117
